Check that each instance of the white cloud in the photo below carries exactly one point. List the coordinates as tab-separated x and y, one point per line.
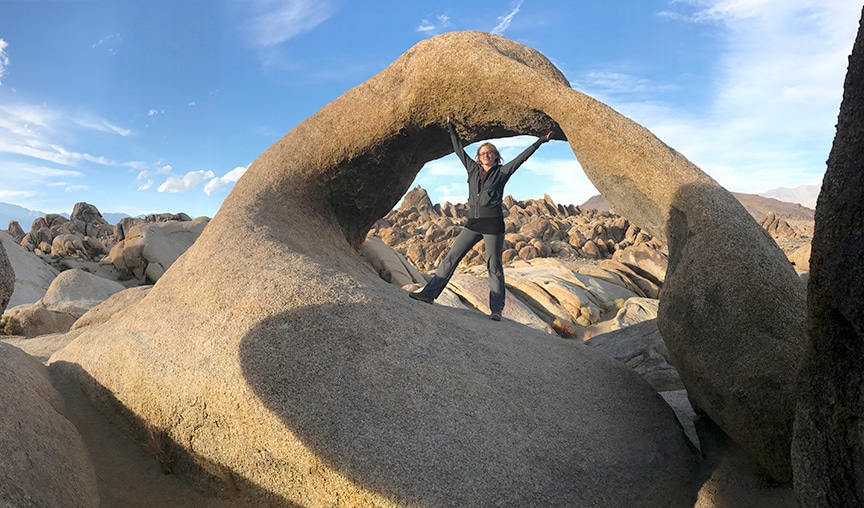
154	112
616	82
454	193
73	188
30	131
102	125
771	115
447	166
109	43
4	59
430	28
280	20
426	27
15	195
504	21
144	180
25	120
186	182
562	179
222	181
51	153
32	173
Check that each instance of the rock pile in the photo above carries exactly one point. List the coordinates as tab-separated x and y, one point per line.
423	232
87	241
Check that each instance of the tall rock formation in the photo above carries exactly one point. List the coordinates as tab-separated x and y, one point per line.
828	448
271	356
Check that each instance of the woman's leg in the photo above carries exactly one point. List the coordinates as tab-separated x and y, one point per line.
461	246
494	248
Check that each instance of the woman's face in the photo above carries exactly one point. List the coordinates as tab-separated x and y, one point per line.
487	156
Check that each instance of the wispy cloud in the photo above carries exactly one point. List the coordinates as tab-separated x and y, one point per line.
225	180
505	20
109	43
431	28
51	153
616	82
100	124
4	59
12	196
778	82
277	21
186	182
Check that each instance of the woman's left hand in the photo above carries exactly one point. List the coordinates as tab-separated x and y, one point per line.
548	135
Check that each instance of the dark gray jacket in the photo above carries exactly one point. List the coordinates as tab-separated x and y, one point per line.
485	195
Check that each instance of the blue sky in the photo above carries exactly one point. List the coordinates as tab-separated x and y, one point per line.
160	105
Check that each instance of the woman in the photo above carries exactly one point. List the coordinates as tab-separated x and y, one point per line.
486	180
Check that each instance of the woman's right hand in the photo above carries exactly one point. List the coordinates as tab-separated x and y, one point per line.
449	119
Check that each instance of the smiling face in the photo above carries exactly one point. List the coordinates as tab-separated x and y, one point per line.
488	156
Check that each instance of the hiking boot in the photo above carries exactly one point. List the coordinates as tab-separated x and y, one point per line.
495	316
420	296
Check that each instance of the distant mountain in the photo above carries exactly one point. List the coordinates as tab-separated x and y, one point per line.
758	206
114	218
597	202
25	217
805	195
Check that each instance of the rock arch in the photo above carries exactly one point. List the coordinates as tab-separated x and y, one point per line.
276	270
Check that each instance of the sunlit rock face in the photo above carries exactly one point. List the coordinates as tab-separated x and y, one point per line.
274	358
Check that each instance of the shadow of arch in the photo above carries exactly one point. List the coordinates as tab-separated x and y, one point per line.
433	414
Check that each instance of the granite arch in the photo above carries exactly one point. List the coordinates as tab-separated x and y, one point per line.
285	240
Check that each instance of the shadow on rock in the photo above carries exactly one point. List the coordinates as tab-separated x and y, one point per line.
198	481
426	418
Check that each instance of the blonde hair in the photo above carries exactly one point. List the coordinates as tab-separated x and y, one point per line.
498	159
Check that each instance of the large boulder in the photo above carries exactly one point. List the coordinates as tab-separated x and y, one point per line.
272	357
32	275
828	448
87	220
70	295
150	247
44	461
732	314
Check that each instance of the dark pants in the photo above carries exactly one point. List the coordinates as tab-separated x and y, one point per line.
464	242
